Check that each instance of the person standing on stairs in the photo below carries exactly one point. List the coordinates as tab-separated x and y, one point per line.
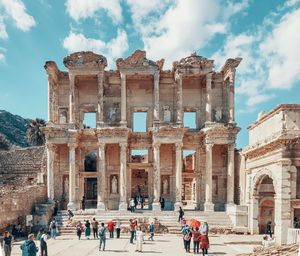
181	214
95	225
53	228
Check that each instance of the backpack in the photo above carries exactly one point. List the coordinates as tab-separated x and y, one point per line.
187	237
53	225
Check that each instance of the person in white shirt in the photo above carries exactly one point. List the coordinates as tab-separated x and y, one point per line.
44	250
139	240
118	227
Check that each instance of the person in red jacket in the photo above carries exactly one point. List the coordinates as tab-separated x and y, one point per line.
204	243
111	227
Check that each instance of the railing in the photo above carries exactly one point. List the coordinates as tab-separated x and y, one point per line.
293	236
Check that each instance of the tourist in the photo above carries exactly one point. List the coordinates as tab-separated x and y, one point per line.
132	205
87	229
267	242
269	228
55	208
187	239
83	203
139	240
135	202
132	230
70	214
43	244
79	229
204	228
162	203
204	243
28	247
151	231
53	228
7	243
111	227
95	225
196	238
118	227
296	223
102	235
135	228
181	213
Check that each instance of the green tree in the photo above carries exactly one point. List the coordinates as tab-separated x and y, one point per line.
35	135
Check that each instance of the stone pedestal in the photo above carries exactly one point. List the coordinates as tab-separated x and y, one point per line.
209	207
156	207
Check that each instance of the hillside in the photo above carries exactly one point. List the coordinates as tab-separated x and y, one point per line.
12	129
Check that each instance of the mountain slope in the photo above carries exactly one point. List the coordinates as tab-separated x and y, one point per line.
13	128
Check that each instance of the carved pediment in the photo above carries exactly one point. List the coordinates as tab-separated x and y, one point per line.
193	61
138	59
85	59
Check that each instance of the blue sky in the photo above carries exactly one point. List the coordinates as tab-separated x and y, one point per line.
264	33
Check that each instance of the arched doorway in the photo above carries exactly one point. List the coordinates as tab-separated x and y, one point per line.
266	205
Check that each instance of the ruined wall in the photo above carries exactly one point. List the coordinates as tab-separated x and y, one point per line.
22	183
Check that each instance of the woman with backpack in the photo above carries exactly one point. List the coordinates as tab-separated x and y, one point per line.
187	235
43	244
53	228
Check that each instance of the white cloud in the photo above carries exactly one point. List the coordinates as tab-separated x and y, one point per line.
3	33
112	49
81	9
2	54
16	10
173	31
282	52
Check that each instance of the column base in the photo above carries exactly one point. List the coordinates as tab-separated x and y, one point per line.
176	206
156	207
72	206
122	206
123	123
209	207
100	207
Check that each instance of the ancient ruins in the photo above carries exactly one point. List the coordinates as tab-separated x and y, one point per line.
141	145
140	85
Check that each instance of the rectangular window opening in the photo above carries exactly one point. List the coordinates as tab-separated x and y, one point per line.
189	160
140	121
139	156
89	120
189	120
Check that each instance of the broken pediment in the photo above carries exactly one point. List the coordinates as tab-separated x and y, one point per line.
85	59
138	59
193	61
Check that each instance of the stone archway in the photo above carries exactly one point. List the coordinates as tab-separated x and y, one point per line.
262	205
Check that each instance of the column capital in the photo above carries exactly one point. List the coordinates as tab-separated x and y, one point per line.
178	76
72	145
231	146
123	76
178	145
209	146
101	145
156	145
51	146
123	145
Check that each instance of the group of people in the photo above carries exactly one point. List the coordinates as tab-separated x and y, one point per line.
199	236
136	202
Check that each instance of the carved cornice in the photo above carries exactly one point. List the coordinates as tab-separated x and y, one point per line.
52	71
269	147
112	132
85	59
230	65
137	60
193	61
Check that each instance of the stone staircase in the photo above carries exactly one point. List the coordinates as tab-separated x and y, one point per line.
169	219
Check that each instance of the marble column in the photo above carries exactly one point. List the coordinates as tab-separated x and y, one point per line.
72	176
179	119
230	174
123	100
178	176
208	205
122	180
50	171
198	179
72	99
101	178
156	177
100	99
231	98
156	97
50	99
208	97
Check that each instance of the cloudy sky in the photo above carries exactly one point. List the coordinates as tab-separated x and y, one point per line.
265	33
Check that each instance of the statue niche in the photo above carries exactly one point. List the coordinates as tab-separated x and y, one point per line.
114	184
167	114
63	116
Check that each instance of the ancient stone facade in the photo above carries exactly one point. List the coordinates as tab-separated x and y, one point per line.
140	85
270	171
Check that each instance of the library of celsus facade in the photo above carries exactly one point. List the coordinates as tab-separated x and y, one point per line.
100	162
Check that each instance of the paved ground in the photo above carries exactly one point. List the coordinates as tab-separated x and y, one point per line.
163	245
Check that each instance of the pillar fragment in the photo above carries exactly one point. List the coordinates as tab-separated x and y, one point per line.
72	99
178	177
156	98
122	182
50	171
123	100
72	176
178	79
208	97
100	99
156	177
208	205
230	174
101	177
